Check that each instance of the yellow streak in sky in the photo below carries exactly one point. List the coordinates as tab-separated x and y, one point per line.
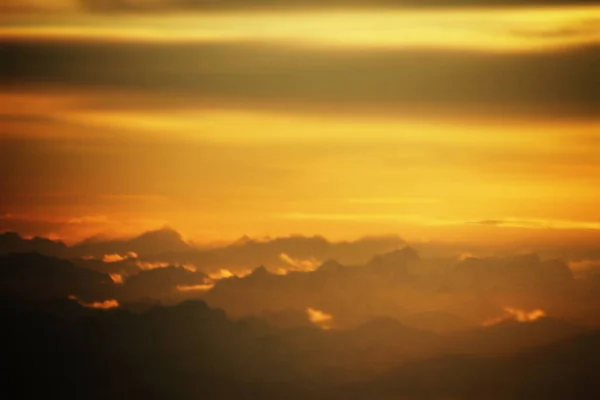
501	30
260	127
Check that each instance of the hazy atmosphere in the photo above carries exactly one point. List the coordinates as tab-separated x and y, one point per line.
238	199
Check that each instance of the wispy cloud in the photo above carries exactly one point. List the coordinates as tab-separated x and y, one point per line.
109	258
581	268
538	223
298	264
319	318
392	200
117	278
89	219
105	305
516	314
195	288
432	221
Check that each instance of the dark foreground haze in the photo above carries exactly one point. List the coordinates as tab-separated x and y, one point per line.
392	325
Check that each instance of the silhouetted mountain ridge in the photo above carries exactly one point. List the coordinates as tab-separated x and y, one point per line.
12	242
35	276
149	243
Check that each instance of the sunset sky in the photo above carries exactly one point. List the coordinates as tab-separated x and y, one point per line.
453	123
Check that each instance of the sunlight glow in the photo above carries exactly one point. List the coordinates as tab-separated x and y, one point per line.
104	305
475	29
319	318
520	315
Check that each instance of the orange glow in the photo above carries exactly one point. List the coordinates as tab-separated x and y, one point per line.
288	164
525	316
582	267
225	273
117	278
516	314
300	265
147	265
445	196
109	258
193	288
319	318
104	305
339	198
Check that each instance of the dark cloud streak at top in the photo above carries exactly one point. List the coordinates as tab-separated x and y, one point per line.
557	83
206	5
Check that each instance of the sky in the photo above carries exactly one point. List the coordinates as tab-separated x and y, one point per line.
469	121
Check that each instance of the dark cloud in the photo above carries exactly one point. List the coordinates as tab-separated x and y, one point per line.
206	5
25	119
255	75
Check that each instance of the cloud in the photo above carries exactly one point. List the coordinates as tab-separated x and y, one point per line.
37	6
104	305
582	268
392	200
525	316
225	273
199	5
117	278
161	6
433	221
300	265
88	219
20	118
319	318
516	314
150	265
539	223
108	258
195	288
222	274
302	79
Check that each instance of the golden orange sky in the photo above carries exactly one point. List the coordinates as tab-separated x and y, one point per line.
470	124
